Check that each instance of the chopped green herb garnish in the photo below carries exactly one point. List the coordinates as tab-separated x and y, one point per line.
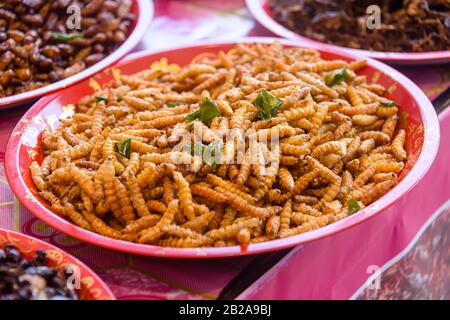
336	77
208	111
267	105
119	98
173	104
64	37
353	206
388	103
123	148
193	116
197	149
212	153
100	99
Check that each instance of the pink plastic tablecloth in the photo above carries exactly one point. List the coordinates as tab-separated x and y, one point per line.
182	22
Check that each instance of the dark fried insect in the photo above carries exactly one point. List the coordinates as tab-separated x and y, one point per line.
406	26
31	279
37	47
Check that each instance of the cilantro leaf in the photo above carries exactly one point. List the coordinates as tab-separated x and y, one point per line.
123	148
353	206
267	105
64	37
336	77
208	111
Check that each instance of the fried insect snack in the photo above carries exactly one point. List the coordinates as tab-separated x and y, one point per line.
250	145
38	47
407	26
32	278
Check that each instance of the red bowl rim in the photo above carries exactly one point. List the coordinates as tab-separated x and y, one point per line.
427	154
140	28
256	8
107	294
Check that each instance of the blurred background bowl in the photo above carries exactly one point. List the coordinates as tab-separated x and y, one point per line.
262	13
143	11
92	287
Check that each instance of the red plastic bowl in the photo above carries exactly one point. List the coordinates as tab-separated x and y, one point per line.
261	11
92	287
24	145
143	11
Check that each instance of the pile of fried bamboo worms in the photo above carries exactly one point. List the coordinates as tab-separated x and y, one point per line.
250	145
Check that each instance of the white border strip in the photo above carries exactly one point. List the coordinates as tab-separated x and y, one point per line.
404	252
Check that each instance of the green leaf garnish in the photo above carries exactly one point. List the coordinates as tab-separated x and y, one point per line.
336	77
388	103
64	37
213	153
173	104
197	149
208	111
123	148
267	105
100	99
119	98
193	116
210	154
353	206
